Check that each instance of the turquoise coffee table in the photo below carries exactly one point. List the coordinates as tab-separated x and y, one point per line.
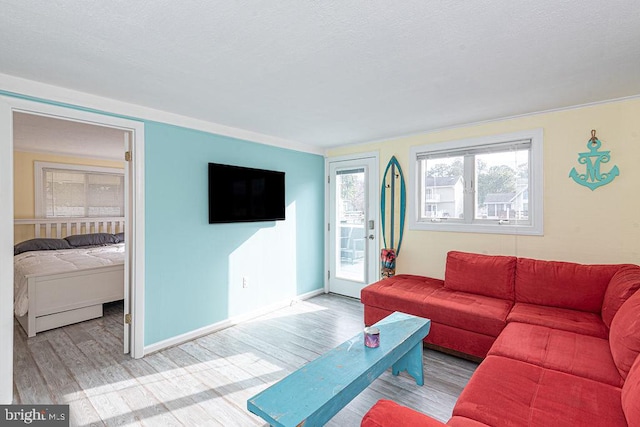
313	394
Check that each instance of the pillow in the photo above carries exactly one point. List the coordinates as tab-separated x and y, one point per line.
488	275
624	335
389	413
40	244
563	284
120	237
623	284
95	239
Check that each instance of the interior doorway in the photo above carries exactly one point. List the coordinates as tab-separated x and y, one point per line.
133	143
66	170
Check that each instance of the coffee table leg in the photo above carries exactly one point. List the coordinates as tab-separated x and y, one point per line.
412	363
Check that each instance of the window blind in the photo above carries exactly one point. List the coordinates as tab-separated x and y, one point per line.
479	149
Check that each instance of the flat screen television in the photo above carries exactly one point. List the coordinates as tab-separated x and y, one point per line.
239	194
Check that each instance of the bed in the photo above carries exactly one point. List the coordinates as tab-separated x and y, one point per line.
67	271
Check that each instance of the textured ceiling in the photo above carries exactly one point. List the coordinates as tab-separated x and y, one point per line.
34	133
329	73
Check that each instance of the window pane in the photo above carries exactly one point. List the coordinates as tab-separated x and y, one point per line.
502	185
498	188
70	193
64	193
442	189
105	195
350	213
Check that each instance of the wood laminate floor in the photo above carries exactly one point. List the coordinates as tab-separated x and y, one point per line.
207	381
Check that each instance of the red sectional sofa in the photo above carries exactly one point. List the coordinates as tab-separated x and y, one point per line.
560	340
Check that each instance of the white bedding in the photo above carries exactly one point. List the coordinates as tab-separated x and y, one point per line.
42	263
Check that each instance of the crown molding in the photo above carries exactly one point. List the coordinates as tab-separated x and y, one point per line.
483	122
43	92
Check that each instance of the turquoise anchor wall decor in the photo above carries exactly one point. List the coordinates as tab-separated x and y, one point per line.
593	177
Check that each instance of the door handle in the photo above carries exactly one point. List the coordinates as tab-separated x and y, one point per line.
371	237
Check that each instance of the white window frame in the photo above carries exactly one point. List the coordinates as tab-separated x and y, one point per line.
470	225
39	168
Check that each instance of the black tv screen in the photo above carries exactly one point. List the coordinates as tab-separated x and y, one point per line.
239	194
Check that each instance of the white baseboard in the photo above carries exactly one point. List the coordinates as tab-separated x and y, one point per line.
179	339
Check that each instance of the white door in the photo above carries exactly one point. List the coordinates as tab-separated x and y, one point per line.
353	224
127	242
6	256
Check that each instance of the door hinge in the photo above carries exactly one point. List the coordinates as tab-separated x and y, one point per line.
328	226
328	179
127	318
328	274
127	156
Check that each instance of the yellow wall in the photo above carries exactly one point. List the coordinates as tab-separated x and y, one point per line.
23	179
580	225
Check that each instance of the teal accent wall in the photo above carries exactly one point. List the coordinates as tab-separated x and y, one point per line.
194	270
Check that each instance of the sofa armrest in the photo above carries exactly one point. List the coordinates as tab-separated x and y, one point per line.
388	413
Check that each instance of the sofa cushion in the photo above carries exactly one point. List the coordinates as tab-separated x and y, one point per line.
388	413
508	392
562	284
631	395
468	342
623	284
559	318
464	422
577	354
624	336
467	311
488	275
403	292
441	335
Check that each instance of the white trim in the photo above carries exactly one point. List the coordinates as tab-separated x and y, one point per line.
6	255
17	85
74	167
327	217
136	223
137	246
327	214
74	156
25	87
39	178
223	324
484	122
354	156
477	141
535	191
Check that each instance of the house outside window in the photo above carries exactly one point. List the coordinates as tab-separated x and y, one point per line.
478	185
431	210
78	191
445	195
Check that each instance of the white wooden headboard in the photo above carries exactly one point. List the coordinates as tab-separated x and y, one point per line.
63	227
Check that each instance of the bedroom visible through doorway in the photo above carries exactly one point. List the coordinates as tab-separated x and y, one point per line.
133	143
69	180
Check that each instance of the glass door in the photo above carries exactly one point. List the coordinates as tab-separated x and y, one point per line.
353	225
